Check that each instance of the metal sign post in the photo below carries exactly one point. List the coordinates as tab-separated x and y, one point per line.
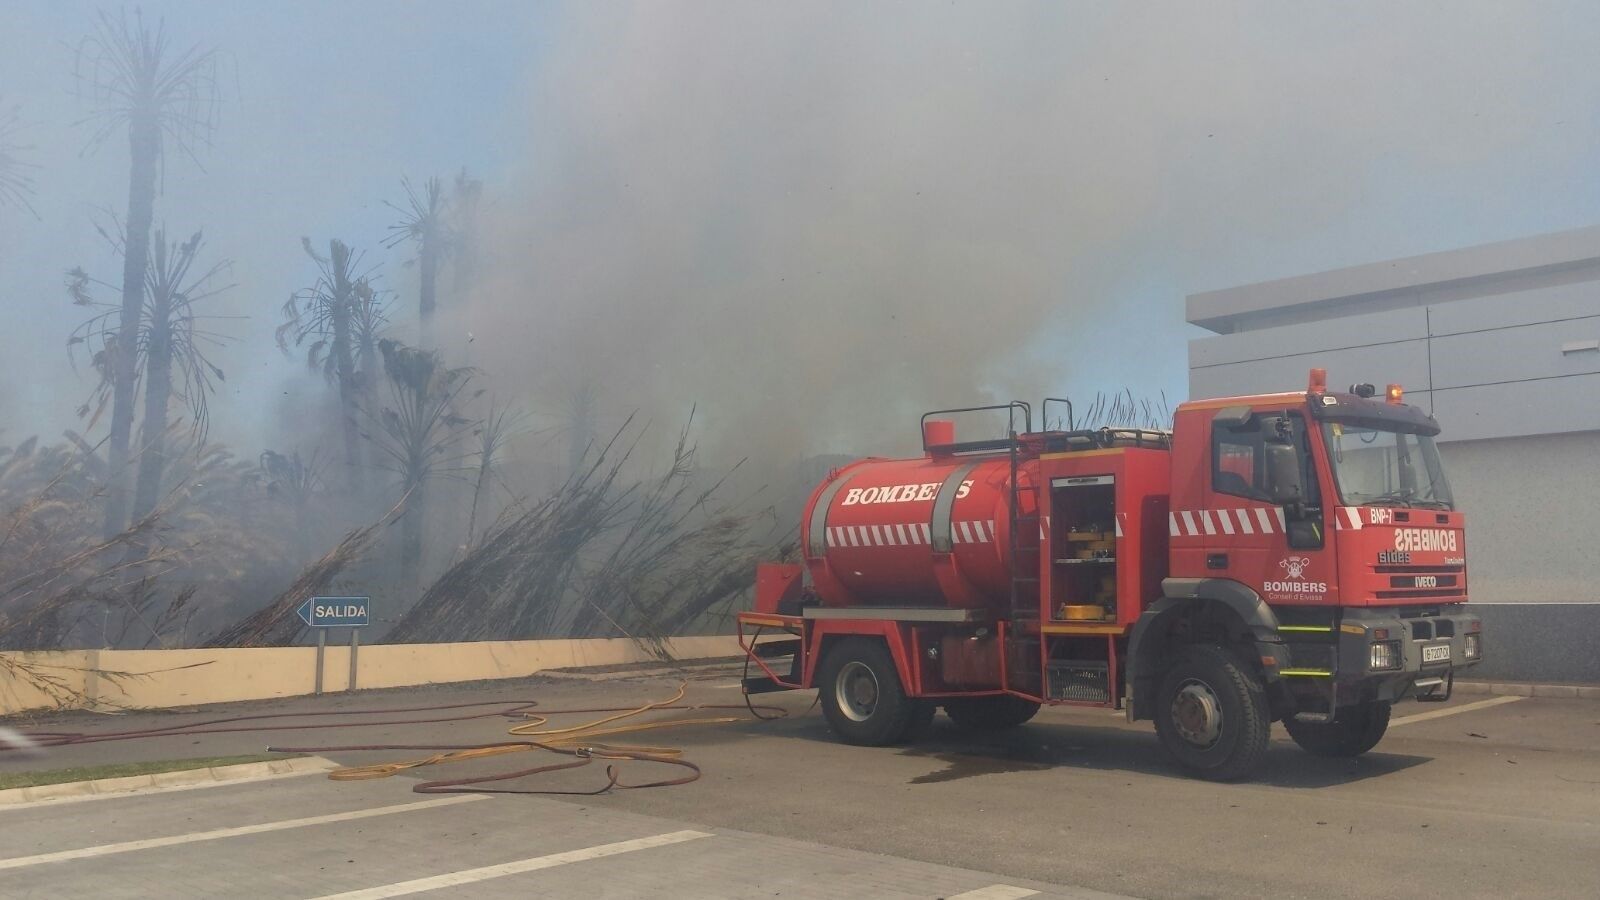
323	613
322	647
355	645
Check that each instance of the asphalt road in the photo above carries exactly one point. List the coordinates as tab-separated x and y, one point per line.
1479	797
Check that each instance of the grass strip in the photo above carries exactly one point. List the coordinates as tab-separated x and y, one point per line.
123	770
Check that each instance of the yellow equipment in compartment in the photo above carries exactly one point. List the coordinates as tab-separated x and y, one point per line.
1094	547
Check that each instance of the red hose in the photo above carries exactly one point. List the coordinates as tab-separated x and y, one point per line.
517	709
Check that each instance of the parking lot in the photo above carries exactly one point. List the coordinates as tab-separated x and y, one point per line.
1482	796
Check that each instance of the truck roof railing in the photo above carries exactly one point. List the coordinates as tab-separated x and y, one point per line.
1104	438
1046	440
1014	410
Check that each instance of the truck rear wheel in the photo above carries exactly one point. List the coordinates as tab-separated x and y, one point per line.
990	713
1212	714
1354	731
862	697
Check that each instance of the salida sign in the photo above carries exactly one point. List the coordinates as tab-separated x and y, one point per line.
336	612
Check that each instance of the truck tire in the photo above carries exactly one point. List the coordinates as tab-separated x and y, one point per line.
1354	731
862	697
989	713
1211	713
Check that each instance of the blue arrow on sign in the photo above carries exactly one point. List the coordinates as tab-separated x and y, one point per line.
336	612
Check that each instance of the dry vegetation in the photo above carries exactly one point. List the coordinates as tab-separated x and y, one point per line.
602	556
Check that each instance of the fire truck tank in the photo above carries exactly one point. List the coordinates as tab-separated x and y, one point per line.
929	531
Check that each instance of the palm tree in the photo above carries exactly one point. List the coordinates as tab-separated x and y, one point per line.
465	254
169	350
423	222
369	320
136	80
327	313
419	433
297	482
496	429
16	185
175	361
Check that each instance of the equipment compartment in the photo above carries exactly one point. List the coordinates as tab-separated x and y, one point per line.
1083	548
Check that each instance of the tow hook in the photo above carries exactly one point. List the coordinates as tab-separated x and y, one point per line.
1438	688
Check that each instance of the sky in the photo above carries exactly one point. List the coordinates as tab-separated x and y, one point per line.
810	220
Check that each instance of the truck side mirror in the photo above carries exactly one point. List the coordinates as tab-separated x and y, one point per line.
1283	474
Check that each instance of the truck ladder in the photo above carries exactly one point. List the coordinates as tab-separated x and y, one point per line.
1022	548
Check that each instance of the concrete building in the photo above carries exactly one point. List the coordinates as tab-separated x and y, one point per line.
1501	342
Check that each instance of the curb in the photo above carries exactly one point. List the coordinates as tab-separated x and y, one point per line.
1526	689
99	787
697	669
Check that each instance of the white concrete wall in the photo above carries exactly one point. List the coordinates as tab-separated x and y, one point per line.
1533	516
113	679
1486	367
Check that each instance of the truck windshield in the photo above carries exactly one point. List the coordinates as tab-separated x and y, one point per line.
1374	466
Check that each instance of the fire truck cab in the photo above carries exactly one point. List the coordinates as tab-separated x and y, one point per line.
1291	557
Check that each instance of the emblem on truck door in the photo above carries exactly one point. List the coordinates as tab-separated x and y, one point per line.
1293	588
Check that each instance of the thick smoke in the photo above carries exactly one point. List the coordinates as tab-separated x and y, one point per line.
817	222
812	227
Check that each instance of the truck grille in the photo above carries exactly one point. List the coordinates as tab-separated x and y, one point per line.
1423	582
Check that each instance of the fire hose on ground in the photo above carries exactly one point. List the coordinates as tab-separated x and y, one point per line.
577	741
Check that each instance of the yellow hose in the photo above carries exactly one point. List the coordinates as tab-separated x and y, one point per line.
575	739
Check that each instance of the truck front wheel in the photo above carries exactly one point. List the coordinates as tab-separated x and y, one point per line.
1354	731
989	713
862	697
1211	713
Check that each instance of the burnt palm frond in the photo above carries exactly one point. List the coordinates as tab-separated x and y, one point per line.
424	219
174	289
418	435
605	555
468	193
326	314
132	74
420	432
498	427
369	322
291	478
336	303
168	321
16	182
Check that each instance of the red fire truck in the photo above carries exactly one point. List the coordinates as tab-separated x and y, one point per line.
1290	557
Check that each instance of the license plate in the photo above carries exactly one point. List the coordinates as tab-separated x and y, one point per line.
1436	653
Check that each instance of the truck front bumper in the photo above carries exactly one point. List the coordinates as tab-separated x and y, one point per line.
1420	653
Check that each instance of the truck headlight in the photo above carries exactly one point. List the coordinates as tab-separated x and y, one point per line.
1385	655
1470	651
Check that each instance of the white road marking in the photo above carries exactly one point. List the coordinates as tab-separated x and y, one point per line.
472	876
195	837
995	892
1441	713
161	789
